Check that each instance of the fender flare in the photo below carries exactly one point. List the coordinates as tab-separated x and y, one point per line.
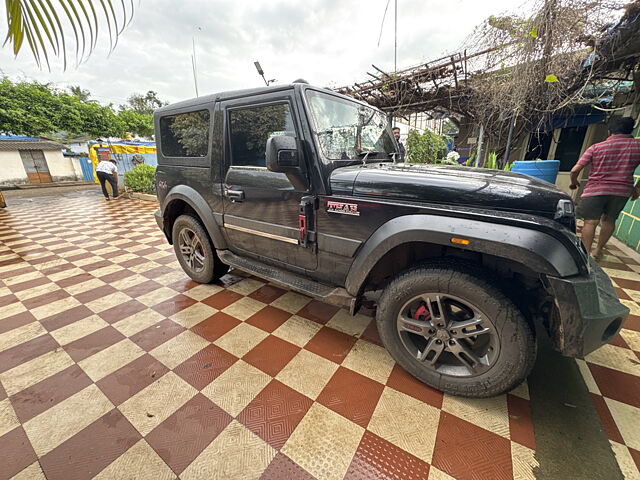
192	198
536	250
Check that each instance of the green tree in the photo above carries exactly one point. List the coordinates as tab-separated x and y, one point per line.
191	130
144	104
25	108
81	94
33	108
428	147
136	123
43	25
100	121
255	125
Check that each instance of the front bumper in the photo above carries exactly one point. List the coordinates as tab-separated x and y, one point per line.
159	219
587	312
160	222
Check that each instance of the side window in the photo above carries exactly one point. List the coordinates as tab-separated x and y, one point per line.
185	134
250	128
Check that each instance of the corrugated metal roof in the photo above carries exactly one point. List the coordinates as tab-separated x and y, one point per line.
8	145
17	137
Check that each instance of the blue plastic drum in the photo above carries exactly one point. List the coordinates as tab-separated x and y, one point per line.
546	170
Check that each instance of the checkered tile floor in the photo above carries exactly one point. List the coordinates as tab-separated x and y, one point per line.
612	373
113	364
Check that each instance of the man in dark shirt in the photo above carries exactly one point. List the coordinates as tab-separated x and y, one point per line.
396	133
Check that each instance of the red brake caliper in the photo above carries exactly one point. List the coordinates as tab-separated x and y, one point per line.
422	313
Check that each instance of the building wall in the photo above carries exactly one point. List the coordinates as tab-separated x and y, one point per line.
11	168
79	147
628	224
77	167
61	168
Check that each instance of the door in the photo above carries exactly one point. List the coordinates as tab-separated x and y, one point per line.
261	208
569	146
36	166
539	145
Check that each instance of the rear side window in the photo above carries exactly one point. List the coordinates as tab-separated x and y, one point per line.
250	128
185	134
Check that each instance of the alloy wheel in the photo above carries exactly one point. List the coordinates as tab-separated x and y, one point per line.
448	334
192	250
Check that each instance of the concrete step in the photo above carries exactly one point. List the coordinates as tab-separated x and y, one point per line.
32	186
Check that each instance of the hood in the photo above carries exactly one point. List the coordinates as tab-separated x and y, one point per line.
450	185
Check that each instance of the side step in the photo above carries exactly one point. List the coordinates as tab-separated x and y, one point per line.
333	295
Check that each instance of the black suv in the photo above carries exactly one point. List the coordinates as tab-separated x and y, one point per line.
302	187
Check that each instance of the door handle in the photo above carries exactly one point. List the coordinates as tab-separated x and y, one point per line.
234	195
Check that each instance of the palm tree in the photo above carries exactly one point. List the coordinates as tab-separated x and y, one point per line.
42	23
82	95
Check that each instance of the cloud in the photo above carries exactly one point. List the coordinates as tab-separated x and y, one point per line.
327	42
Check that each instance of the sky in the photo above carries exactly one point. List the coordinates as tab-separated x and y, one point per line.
327	42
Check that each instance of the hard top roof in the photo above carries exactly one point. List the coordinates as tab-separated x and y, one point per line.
241	93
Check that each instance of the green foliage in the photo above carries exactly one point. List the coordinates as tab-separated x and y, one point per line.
428	147
141	178
471	160
144	104
513	25
493	164
450	128
40	23
81	94
192	131
136	123
33	108
100	121
492	161
256	125
25	108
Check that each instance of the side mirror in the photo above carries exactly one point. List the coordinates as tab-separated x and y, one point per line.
282	154
283	157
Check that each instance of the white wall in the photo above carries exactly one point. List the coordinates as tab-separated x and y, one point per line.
75	161
11	168
60	168
79	147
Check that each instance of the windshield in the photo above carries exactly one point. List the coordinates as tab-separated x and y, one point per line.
348	130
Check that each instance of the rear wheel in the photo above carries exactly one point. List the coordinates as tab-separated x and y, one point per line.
195	252
452	329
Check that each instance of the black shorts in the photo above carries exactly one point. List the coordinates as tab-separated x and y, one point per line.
592	208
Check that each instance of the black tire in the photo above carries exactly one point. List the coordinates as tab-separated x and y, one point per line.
457	286
205	267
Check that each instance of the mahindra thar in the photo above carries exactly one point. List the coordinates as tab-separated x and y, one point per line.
302	187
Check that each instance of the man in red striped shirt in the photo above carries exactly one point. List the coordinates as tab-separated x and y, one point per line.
610	181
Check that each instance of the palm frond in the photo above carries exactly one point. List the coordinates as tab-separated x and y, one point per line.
42	23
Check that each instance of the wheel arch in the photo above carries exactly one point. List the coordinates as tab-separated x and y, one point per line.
186	200
533	250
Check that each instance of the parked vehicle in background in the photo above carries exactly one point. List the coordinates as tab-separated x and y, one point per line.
299	185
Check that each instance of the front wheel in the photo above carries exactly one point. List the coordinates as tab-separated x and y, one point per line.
195	252
451	328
